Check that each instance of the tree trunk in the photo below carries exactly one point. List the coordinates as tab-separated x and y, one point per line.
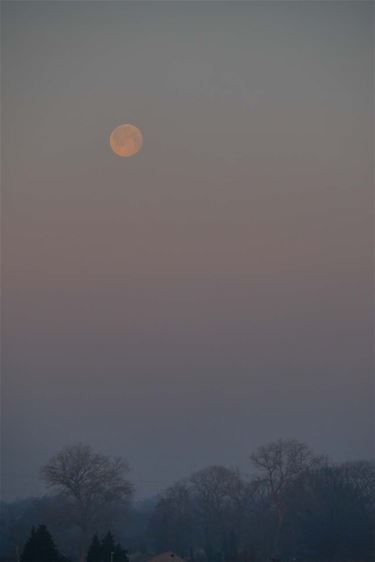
280	522
83	546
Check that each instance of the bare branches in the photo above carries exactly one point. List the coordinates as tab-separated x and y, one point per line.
279	464
92	482
86	476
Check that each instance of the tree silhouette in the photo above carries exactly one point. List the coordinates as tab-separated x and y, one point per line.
106	550
92	483
120	554
108	546
278	465
94	553
40	547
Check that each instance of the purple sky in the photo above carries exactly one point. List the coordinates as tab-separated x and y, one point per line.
213	292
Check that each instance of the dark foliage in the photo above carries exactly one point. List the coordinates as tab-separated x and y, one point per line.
94	553
296	506
106	550
40	547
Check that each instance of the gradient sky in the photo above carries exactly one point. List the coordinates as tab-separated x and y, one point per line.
213	292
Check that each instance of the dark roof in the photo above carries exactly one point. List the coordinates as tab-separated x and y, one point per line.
168	556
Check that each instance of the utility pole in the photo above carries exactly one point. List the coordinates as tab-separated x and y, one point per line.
112	554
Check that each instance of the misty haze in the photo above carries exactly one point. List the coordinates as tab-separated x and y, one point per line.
187	281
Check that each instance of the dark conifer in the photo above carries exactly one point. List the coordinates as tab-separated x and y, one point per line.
120	554
110	551
40	547
94	553
108	546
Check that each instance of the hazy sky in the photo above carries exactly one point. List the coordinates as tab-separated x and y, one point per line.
214	292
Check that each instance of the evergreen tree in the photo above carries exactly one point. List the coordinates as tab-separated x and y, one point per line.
110	551
108	546
29	552
120	554
94	553
40	547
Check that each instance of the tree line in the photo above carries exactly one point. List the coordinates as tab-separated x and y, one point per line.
296	506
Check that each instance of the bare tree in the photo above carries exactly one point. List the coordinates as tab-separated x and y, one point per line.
91	483
278	465
361	475
219	495
202	514
172	521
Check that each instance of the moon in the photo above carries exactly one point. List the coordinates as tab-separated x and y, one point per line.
126	140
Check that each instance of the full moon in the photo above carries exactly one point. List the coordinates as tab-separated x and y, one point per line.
126	140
